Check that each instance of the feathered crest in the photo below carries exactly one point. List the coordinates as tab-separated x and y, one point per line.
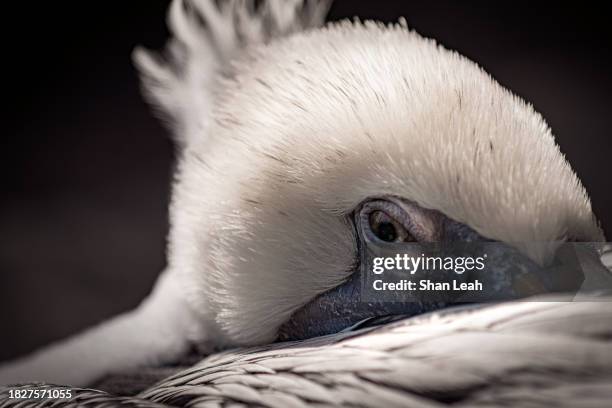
207	36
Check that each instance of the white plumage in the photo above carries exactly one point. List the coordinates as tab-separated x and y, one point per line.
527	354
183	83
281	136
309	126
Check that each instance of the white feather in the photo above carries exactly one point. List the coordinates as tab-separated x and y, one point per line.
206	39
311	125
526	354
537	353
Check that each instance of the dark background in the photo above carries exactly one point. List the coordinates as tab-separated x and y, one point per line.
86	168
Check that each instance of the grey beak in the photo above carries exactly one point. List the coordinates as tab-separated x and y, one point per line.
508	275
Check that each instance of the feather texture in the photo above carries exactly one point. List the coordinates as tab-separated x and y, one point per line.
311	125
527	354
207	38
518	354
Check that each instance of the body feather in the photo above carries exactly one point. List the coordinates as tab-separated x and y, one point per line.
524	354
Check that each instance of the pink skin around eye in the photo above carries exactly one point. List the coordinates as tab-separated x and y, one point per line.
422	224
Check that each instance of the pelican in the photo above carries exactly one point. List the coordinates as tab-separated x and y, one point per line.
302	148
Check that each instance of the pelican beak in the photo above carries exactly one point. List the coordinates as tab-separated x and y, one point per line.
576	271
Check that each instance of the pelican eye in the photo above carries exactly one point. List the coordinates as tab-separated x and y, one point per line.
386	231
386	227
383	227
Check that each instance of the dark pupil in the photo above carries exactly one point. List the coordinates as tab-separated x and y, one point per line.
386	232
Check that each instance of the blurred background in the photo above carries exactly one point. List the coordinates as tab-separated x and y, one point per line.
86	168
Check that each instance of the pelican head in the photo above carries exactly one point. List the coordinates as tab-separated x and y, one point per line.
327	141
